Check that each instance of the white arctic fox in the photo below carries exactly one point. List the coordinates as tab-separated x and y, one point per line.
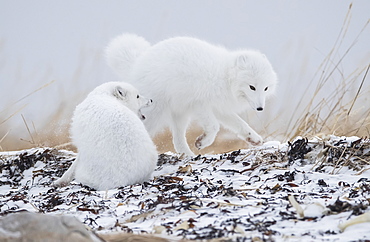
189	79
114	148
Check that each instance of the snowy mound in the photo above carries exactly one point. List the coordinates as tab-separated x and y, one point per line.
296	191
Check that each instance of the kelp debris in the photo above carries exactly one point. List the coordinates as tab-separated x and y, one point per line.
237	196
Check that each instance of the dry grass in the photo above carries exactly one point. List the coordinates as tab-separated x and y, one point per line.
334	115
340	112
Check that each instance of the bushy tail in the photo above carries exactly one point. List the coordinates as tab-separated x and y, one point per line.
122	52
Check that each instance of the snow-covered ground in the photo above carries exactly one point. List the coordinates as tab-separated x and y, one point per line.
242	195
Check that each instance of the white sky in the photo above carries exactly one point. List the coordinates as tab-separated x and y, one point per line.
41	41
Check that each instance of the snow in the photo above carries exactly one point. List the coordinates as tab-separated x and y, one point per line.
239	195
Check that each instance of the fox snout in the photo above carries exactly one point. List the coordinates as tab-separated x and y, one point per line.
256	106
146	104
260	104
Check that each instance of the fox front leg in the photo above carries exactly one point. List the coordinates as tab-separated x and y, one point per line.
241	128
210	126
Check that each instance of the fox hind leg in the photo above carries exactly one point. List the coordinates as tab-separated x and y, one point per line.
68	176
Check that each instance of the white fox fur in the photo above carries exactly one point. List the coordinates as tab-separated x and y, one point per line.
114	148
122	59
190	79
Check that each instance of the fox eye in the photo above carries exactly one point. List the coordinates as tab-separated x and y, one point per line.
266	89
137	96
252	87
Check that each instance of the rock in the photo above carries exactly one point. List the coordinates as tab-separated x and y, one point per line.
26	226
125	237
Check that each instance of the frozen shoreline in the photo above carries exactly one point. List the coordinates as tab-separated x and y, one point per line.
238	195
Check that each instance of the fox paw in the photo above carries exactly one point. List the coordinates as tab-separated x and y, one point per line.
203	141
198	142
255	139
60	183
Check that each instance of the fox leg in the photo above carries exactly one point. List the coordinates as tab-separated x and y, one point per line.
211	126
67	176
178	127
241	128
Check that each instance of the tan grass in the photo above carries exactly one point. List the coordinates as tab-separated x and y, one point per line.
334	114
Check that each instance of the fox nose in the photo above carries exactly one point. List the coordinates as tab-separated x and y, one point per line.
259	109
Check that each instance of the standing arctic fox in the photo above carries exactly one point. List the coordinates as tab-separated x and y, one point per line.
114	148
190	79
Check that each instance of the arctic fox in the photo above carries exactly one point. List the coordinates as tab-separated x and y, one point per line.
114	148
190	79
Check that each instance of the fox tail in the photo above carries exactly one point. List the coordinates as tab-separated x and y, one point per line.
122	52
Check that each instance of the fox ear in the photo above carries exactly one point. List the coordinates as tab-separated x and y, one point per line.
120	93
242	61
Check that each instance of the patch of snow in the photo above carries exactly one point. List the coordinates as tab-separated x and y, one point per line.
238	195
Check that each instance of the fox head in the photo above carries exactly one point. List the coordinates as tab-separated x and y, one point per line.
126	94
131	98
255	79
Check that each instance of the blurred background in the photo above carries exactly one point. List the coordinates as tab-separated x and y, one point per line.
52	55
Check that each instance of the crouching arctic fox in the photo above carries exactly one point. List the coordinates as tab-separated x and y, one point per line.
190	79
114	148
